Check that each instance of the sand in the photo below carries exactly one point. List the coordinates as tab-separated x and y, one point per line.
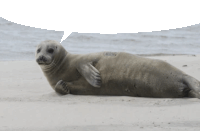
28	103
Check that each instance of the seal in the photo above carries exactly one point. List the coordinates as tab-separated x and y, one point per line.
112	73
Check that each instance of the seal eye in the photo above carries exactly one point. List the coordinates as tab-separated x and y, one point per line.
50	50
38	50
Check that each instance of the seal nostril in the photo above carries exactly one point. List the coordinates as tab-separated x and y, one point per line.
40	58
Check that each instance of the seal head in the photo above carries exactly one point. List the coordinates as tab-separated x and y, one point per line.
45	52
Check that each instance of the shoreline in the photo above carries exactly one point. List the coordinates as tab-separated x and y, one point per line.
144	55
161	54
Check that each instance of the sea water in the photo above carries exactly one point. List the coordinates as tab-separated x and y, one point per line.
18	42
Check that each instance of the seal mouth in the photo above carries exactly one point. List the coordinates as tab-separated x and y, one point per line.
42	60
42	63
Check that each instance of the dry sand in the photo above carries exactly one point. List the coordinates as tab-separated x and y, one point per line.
27	102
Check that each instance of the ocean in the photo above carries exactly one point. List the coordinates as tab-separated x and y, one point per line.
18	42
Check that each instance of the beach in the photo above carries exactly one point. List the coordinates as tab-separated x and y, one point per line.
27	102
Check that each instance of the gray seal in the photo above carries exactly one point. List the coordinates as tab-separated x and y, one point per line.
112	73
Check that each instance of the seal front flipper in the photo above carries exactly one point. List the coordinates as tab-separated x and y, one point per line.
90	73
61	87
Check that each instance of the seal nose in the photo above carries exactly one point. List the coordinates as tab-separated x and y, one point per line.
41	59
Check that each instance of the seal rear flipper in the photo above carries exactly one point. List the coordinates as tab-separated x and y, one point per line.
193	94
193	84
90	73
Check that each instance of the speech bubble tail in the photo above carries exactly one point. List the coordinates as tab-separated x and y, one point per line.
66	34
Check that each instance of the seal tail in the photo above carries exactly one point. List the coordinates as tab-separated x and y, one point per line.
194	86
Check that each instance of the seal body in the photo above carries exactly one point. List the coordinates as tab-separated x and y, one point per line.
126	74
117	73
